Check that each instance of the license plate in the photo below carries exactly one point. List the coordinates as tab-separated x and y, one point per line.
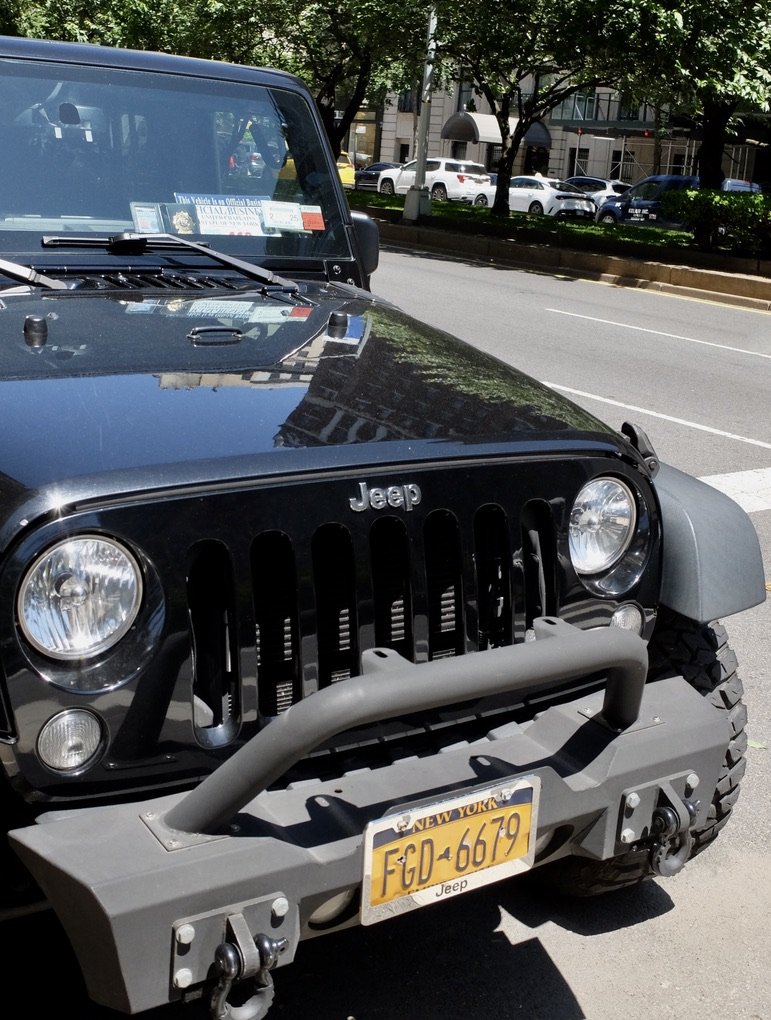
429	853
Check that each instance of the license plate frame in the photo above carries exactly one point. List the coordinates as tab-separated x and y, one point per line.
429	852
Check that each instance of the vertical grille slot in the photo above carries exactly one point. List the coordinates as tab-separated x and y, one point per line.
336	617
6	727
493	577
274	580
390	556
444	587
539	561
211	607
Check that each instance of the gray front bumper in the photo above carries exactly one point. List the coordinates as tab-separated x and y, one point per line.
145	890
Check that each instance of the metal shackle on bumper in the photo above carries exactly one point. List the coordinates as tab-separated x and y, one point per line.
391	685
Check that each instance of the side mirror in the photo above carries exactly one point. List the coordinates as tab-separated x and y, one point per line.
367	241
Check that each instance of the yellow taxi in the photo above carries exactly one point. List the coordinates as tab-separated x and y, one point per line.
346	170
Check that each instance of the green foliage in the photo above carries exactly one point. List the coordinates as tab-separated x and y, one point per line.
164	25
707	58
729	220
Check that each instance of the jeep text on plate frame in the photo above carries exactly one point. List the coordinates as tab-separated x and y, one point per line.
429	853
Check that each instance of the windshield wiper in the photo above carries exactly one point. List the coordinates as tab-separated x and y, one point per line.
129	243
27	275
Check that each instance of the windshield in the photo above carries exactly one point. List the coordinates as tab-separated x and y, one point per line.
87	150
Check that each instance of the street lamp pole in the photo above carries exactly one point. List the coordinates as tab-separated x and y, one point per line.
417	201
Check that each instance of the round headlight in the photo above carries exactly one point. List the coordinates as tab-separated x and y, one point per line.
602	524
69	740
79	597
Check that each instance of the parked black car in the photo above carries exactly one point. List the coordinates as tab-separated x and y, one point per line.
642	202
310	613
367	178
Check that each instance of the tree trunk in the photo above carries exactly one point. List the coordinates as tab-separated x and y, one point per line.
709	159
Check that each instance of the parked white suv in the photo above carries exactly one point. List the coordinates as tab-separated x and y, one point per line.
454	180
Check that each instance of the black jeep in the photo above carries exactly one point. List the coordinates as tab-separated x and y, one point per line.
309	613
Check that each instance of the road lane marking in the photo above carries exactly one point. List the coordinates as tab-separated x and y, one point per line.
658	332
657	414
750	489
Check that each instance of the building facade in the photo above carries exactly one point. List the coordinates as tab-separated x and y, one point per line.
596	132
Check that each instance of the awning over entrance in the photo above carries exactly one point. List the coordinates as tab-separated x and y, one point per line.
483	127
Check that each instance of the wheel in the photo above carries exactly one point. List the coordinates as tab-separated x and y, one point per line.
480	200
702	655
607	218
535	208
439	193
386	187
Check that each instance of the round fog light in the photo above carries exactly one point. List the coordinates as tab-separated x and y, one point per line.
331	909
628	617
69	740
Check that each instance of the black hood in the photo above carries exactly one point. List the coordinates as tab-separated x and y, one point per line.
99	385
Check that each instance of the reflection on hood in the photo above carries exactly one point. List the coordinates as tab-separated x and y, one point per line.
165	381
411	382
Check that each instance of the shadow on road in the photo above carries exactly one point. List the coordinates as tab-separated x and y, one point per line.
453	961
446	962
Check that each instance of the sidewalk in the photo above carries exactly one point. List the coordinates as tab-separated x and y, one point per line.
726	286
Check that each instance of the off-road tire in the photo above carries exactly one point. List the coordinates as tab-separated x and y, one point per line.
702	655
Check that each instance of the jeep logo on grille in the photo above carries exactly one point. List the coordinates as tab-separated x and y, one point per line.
400	497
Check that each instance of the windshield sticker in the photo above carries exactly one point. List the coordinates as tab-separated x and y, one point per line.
222	214
231	215
147	217
313	217
183	219
226	215
282	215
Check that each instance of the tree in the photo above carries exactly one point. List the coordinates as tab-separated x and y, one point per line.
164	25
347	51
708	58
525	58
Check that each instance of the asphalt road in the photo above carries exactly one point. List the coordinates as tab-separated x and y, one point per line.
696	377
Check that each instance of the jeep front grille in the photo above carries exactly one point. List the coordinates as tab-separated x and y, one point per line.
431	587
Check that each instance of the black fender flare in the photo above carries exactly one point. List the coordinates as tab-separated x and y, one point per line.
712	565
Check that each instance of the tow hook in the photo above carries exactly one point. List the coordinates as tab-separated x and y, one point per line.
672	840
242	958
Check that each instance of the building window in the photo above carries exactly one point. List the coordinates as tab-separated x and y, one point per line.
409	102
579	106
628	109
404	152
578	161
465	96
622	166
494	153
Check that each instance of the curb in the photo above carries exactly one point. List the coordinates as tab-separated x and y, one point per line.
727	287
